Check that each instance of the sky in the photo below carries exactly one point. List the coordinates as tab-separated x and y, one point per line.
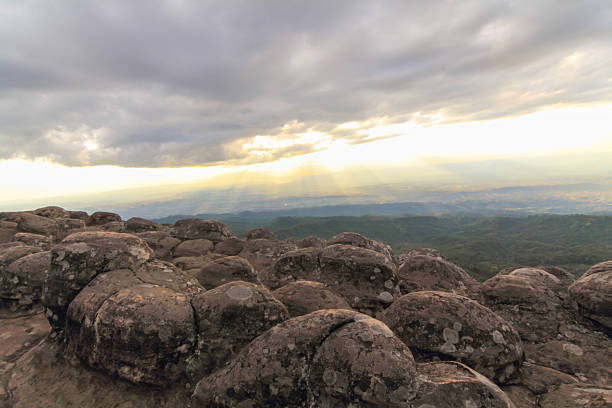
119	95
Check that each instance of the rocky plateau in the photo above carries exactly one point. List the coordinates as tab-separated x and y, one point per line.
100	312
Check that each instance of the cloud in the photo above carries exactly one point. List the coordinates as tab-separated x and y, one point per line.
183	83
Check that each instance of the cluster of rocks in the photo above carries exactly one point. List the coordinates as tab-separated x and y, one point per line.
212	320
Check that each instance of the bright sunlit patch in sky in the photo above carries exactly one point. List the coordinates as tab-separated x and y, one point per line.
567	130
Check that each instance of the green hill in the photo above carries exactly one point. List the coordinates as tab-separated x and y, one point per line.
482	246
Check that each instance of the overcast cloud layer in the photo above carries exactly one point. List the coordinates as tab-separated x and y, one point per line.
181	83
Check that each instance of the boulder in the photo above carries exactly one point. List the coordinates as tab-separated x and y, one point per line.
358	240
303	297
365	278
260	233
362	364
310	241
227	269
262	253
450	384
137	324
7	230
310	361
193	247
101	218
22	281
540	380
82	256
194	228
424	272
78	215
530	299
592	294
35	240
453	327
37	224
231	246
67	226
299	264
578	396
137	224
190	263
13	251
111	226
160	242
52	212
228	318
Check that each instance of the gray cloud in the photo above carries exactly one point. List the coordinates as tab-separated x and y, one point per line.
181	82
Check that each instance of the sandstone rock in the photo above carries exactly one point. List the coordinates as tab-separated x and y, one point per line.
160	242
592	294
310	361
262	253
138	324
531	300
35	240
578	396
22	281
260	233
299	264
451	384
102	217
231	246
382	376
78	215
7	230
52	212
449	326
37	224
228	318
188	263
79	258
67	226
365	278
423	272
539	379
600	267
303	297
193	247
194	228
310	241
13	251
358	240
227	269
111	226
144	334
137	224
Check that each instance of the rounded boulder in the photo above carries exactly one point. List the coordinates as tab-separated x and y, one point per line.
453	327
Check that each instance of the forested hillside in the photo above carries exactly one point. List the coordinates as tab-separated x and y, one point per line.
481	245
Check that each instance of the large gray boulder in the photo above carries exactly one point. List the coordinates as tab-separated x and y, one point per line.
453	327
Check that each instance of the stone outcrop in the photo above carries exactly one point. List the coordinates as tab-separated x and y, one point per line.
195	228
260	233
452	327
101	218
426	272
226	269
310	361
228	318
131	322
592	294
303	297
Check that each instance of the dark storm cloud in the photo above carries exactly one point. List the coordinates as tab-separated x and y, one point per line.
185	82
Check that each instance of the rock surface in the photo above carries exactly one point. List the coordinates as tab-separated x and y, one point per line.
303	297
452	327
130	329
226	269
